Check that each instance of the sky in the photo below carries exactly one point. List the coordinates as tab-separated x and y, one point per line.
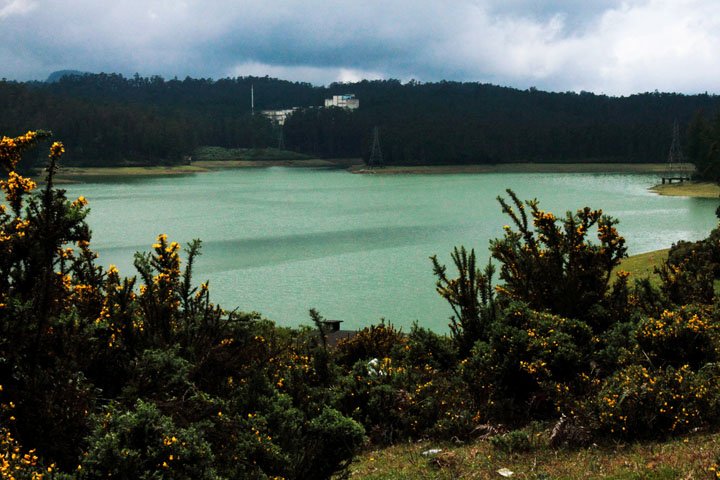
608	47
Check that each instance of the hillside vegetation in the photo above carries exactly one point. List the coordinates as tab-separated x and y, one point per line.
107	119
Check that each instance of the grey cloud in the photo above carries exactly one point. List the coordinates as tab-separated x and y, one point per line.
557	45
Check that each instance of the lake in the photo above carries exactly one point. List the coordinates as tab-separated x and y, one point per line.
282	240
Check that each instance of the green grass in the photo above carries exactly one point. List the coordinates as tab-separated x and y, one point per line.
689	457
643	265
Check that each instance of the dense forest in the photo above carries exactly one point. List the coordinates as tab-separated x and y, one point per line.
108	119
104	375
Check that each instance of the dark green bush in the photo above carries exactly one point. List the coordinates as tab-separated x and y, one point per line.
142	444
529	363
375	341
553	264
425	347
644	402
686	336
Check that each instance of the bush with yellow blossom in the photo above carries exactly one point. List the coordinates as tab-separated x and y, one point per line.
143	377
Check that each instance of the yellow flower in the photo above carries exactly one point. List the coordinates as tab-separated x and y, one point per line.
56	149
80	202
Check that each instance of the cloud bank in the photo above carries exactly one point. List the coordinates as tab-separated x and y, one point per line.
605	46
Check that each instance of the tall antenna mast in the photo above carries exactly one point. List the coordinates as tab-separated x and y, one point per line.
376	159
252	99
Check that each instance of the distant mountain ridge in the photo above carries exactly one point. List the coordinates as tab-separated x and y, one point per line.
56	76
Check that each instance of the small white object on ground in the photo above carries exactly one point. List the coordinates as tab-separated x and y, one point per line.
432	451
505	472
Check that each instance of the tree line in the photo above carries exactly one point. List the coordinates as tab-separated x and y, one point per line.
109	119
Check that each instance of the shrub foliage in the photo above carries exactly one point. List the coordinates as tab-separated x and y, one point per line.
144	377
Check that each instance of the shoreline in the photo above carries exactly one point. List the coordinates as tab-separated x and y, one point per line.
79	174
688	189
651	168
354	165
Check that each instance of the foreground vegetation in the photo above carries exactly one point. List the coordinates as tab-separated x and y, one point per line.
103	375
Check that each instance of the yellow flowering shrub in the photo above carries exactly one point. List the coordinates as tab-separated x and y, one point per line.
638	401
688	335
15	463
554	264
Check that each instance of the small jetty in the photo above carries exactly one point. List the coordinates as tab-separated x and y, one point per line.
670	179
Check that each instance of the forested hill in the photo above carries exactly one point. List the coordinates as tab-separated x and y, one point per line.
108	119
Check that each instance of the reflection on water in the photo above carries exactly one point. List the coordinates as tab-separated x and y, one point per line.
281	241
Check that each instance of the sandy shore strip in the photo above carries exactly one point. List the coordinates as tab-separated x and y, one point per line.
79	174
353	165
689	189
658	168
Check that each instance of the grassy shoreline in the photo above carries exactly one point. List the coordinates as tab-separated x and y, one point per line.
79	174
689	189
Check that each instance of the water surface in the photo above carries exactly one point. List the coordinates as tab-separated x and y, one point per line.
356	247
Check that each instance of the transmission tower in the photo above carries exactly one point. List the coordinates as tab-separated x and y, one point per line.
376	159
676	168
281	138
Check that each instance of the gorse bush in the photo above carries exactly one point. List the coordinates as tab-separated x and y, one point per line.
558	338
144	377
552	264
375	341
141	442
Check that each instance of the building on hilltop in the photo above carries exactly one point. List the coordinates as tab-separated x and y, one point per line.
346	100
278	116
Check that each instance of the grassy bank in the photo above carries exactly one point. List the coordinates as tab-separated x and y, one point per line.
689	189
694	456
520	168
643	264
70	174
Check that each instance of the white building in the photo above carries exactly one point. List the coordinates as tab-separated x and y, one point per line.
347	100
278	116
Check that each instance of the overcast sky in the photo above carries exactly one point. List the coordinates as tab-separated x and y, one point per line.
604	46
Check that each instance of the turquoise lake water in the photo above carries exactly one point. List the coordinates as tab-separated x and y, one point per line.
281	240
